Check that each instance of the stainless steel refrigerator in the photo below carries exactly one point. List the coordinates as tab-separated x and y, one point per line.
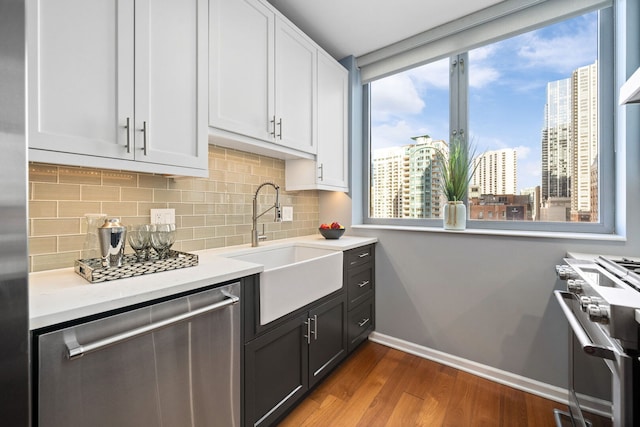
14	308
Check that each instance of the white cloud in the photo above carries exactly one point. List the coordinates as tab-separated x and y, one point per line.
561	51
395	96
523	152
395	134
481	75
435	75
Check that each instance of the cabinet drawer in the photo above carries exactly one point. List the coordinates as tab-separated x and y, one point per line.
359	256
360	323
359	285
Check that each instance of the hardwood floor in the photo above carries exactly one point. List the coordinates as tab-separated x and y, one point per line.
381	386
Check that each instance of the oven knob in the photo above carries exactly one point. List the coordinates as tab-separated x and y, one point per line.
586	301
598	313
565	272
575	285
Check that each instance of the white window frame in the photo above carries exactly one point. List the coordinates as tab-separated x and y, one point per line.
539	15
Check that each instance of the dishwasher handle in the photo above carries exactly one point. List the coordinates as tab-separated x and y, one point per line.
585	342
76	350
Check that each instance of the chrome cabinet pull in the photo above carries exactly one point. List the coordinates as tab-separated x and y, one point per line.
308	336
145	132
585	342
76	350
364	254
315	327
273	121
363	322
280	128
128	128
363	283
321	167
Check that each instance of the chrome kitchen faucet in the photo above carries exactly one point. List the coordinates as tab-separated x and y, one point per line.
254	217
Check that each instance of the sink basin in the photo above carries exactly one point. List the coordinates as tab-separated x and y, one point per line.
293	276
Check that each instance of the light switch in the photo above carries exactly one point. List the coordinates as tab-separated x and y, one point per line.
287	213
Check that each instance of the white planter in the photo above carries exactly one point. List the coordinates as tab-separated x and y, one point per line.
455	216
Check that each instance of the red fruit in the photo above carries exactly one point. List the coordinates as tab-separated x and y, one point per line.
324	226
335	225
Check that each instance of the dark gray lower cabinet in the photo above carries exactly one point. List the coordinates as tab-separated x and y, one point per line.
328	338
276	371
283	363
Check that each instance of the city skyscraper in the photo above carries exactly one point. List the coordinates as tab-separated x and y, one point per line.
570	146
556	155
406	180
585	143
496	172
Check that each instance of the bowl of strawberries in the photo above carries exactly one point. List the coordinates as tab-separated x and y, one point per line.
332	231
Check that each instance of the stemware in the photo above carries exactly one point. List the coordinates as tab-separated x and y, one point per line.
163	236
138	237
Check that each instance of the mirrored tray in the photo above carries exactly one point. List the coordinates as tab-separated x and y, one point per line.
93	271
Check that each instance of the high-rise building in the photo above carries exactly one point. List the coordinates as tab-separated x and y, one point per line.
556	154
570	146
584	135
495	172
406	180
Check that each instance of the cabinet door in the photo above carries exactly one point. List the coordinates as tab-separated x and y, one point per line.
333	99
295	89
328	338
276	371
241	64
80	76
171	81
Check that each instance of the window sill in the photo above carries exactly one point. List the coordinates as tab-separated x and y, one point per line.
502	233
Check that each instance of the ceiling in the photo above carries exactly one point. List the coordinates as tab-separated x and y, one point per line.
357	27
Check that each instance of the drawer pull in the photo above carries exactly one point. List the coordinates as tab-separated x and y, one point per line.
363	322
364	254
363	283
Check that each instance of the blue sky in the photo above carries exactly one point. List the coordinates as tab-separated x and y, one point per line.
507	93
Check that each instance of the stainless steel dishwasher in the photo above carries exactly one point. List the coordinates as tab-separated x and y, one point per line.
173	363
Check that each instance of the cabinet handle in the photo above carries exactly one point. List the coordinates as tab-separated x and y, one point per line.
364	254
315	327
321	167
308	336
363	322
145	132
128	127
273	121
280	128
363	283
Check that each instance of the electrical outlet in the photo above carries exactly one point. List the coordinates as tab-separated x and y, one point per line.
163	216
287	213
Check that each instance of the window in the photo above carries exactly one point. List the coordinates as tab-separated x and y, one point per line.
531	106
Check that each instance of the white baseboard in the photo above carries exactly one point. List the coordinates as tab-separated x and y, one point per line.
547	391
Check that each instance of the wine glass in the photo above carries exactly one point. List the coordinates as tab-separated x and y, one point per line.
138	237
163	236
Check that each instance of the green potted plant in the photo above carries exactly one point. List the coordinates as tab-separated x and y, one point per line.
457	168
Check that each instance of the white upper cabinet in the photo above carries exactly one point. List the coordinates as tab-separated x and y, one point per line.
241	67
119	85
333	123
262	76
330	170
295	88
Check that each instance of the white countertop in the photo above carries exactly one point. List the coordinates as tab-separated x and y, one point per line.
57	296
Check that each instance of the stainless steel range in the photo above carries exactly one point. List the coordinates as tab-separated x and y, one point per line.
602	306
